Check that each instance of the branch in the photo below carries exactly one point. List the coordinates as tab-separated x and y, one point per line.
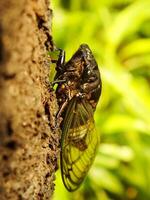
28	145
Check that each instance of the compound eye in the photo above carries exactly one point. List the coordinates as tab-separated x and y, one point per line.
89	72
91	76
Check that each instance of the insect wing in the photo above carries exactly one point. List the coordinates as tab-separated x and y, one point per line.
79	143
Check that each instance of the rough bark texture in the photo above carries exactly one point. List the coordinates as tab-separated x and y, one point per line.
29	146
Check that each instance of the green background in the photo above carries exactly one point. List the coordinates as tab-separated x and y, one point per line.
118	32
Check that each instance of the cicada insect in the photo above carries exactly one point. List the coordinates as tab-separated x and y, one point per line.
78	92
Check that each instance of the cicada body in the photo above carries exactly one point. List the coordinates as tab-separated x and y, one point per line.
78	92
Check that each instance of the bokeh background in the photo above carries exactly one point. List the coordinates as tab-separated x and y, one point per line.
118	32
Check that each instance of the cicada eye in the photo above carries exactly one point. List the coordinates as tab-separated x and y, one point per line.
89	76
89	72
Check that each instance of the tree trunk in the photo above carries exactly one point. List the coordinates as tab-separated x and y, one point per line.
29	146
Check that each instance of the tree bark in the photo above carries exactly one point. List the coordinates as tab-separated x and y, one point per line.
29	146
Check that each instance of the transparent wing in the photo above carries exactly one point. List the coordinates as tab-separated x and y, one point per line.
79	143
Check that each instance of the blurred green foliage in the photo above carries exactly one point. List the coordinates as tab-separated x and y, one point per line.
118	32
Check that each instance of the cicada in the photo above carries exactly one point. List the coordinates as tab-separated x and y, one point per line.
78	91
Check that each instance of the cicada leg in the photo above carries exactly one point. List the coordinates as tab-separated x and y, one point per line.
57	81
58	115
59	68
61	60
60	64
88	87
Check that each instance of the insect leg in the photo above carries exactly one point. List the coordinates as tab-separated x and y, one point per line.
61	60
88	87
60	65
60	112
58	81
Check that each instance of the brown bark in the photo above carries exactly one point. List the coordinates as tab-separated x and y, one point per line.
28	144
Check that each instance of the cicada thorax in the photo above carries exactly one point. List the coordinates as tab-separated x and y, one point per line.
71	81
